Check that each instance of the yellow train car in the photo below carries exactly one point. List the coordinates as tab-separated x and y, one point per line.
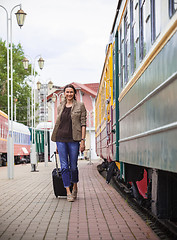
103	109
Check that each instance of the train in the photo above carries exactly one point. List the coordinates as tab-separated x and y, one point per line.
22	141
135	107
21	136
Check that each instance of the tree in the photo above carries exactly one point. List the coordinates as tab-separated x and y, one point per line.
21	87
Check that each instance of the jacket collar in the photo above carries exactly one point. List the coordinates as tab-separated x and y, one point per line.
63	103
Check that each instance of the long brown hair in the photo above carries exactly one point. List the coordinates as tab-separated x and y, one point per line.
70	86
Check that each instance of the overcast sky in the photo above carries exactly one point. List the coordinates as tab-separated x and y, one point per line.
71	36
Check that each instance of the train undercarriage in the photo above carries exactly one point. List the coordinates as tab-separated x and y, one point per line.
152	188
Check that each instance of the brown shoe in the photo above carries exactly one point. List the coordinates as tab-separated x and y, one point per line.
74	194
70	198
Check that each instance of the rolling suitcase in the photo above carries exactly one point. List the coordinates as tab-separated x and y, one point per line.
58	187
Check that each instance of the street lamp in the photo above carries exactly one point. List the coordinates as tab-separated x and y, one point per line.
55	95
20	15
41	63
33	157
46	86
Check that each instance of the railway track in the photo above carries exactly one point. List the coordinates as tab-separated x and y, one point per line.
164	229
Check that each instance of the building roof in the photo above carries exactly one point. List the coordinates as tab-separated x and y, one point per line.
89	88
93	86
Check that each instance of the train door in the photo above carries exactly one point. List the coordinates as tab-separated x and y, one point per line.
116	92
113	108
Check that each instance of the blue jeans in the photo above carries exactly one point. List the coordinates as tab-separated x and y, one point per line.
68	154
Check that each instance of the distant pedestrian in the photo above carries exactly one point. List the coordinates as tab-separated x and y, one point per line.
69	134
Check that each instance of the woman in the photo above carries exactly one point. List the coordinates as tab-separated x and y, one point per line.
69	134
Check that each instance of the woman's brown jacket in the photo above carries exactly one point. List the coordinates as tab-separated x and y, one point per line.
78	117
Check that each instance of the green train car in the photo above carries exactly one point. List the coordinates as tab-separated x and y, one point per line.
138	127
39	138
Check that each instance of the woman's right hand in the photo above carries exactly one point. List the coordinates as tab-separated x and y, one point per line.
82	146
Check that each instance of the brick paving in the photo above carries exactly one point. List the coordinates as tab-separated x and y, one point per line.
30	211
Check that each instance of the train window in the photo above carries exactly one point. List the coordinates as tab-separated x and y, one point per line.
121	60
158	4
2	132
14	137
113	73
132	52
147	26
5	132
17	137
136	34
125	50
103	97
155	9
172	7
141	33
153	30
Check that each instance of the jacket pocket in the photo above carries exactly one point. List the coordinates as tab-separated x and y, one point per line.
77	112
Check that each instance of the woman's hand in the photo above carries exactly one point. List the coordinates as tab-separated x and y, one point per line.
82	145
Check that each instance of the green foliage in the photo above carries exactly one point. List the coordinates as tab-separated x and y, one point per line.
21	87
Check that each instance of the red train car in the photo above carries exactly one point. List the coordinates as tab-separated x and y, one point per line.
21	136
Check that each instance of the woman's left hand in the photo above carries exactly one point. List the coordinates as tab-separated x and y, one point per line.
82	145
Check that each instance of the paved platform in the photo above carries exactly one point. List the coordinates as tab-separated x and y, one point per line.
30	211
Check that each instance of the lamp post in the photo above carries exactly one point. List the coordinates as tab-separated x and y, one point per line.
20	15
46	86
33	157
15	109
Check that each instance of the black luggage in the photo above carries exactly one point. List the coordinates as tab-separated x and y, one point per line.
58	187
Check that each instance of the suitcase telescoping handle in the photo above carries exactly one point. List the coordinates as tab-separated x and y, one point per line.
56	164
